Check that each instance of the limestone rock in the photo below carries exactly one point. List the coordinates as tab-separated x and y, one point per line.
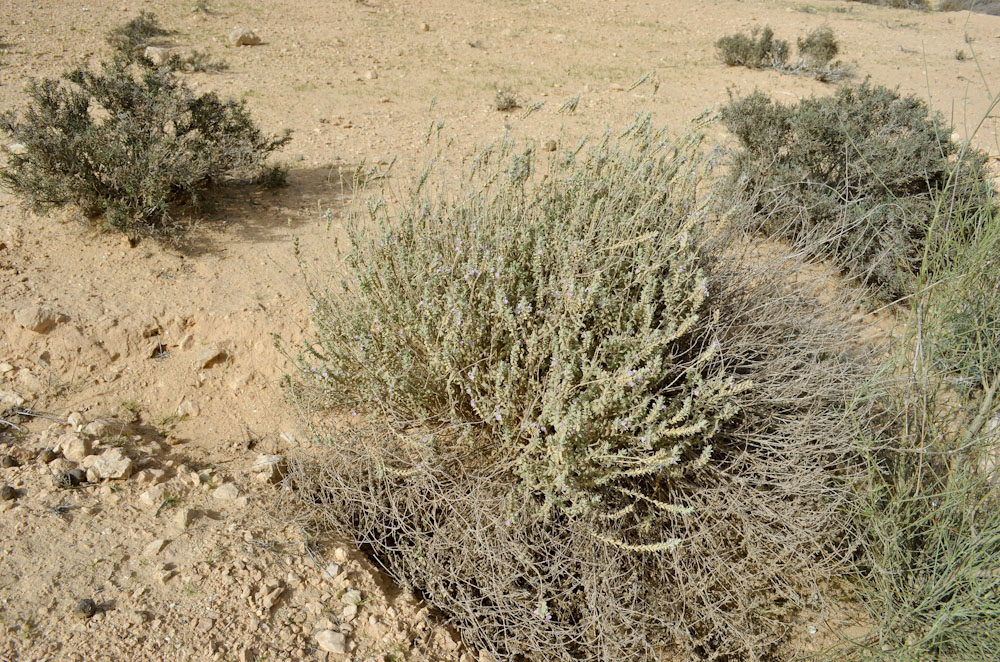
244	37
74	447
40	319
113	464
331	642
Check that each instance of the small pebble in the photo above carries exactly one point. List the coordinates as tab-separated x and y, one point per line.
7	493
47	455
9	461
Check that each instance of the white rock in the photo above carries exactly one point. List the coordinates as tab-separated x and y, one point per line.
155	547
184	517
351	597
226	492
158	56
74	447
331	642
10	399
152	497
244	37
17	148
40	319
113	464
209	356
269	468
75	420
99	428
188	408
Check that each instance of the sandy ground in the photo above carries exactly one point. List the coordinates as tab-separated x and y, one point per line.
170	350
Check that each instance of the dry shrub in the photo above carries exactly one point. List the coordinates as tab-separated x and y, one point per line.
607	431
859	177
991	7
758	50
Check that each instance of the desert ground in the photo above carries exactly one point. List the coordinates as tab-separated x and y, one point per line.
164	353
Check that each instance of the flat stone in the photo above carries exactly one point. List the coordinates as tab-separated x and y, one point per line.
74	447
331	642
226	492
10	399
155	547
113	465
40	319
244	37
158	56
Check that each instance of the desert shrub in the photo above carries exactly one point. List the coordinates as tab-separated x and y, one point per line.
758	50
900	4
819	47
505	100
614	412
858	177
129	144
130	39
991	7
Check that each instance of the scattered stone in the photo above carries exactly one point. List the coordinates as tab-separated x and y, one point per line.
151	476
155	547
85	608
332	570
351	597
47	455
92	475
70	478
99	428
424	27
331	642
226	492
247	655
272	598
549	146
74	447
184	517
77	476
10	399
113	465
75	420
244	37
269	468
371	74
5	367
17	148
152	497
188	409
158	56
209	356
40	319
205	624
7	493
9	462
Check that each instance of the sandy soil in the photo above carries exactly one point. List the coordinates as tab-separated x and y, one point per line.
169	348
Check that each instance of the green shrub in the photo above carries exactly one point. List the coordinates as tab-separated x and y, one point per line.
131	39
573	359
129	144
758	50
856	177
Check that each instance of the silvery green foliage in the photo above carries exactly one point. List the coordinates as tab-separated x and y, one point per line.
562	323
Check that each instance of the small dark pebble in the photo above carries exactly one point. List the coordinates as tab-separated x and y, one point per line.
71	478
86	608
8	461
47	456
7	493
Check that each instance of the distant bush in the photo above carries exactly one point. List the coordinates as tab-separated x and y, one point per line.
858	177
633	428
758	50
991	7
129	144
924	5
131	39
505	100
818	48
